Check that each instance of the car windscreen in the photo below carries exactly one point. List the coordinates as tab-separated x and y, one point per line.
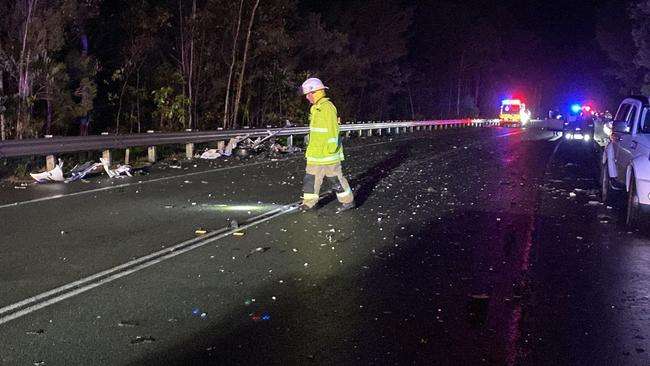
510	108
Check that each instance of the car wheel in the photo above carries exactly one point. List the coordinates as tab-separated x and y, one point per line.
633	212
605	188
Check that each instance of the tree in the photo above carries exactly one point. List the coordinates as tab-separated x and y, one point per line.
242	72
631	55
33	35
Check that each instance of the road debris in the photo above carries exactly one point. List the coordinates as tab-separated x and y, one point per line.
117	172
258	250
80	171
210	154
127	324
54	175
259	317
200	313
141	339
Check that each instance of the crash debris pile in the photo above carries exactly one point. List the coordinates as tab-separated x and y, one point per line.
80	171
56	174
244	146
120	171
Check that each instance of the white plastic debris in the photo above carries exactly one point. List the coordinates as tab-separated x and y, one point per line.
54	175
210	154
117	172
80	171
227	151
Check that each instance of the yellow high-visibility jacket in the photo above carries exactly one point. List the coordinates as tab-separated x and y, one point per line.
324	145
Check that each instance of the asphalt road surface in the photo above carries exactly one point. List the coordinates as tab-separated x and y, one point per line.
469	246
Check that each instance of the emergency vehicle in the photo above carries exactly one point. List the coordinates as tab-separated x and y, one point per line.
513	113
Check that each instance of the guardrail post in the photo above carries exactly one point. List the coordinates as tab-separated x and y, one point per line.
290	140
379	132
151	154
360	133
127	156
370	132
106	155
50	162
189	150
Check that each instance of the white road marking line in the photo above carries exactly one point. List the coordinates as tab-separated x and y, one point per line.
69	290
72	289
95	190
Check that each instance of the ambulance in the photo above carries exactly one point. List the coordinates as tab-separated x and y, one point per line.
513	113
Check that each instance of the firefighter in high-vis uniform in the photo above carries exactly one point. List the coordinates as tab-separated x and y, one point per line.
324	150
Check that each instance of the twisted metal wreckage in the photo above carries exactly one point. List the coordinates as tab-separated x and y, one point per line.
244	146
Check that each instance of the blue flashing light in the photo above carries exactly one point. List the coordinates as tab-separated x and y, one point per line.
575	108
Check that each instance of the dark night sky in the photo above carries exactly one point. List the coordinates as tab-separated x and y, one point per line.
565	23
569	55
573	61
569	58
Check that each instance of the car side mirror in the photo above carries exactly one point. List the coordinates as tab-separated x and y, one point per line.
620	127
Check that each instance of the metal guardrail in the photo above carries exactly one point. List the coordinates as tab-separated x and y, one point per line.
58	145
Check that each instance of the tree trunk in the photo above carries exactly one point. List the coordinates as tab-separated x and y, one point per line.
131	117
190	89
48	118
240	85
137	97
119	108
3	132
183	66
226	109
3	127
23	73
199	75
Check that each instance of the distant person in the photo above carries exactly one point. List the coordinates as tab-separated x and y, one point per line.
324	149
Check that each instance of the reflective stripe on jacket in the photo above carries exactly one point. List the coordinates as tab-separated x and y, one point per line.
324	144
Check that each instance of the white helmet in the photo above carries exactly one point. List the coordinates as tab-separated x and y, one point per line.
311	85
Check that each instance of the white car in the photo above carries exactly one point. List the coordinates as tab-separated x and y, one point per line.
626	159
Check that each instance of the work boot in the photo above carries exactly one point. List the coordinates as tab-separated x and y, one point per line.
346	206
304	208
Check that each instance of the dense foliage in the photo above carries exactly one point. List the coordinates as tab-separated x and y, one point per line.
84	66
